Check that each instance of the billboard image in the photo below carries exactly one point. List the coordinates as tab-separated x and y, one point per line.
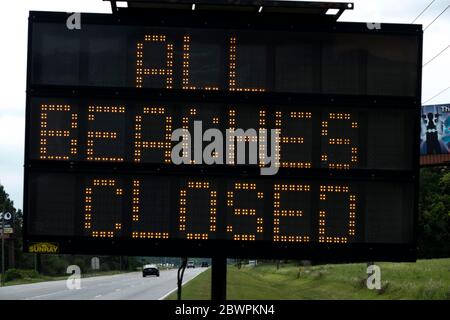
435	130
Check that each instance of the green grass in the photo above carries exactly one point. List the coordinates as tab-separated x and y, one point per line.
42	278
425	279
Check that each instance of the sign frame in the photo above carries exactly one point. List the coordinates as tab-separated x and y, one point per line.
247	249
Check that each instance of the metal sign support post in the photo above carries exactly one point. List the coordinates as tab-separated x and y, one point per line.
219	279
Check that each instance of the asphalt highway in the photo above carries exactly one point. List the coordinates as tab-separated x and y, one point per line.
128	286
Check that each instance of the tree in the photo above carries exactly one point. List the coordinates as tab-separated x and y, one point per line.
434	213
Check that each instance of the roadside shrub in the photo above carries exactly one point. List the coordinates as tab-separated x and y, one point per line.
12	274
106	267
54	265
15	274
82	264
30	274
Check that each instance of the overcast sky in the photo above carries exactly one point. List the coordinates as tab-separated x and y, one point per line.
13	37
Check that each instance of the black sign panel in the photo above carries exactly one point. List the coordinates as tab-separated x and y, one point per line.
104	101
237	60
203	208
139	132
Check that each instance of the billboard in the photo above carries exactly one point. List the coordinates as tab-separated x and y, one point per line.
435	130
166	134
435	135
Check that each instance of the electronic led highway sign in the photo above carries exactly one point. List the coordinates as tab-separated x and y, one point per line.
178	132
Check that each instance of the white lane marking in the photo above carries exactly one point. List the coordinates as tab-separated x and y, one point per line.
49	284
47	294
98	296
117	290
173	290
67	291
86	287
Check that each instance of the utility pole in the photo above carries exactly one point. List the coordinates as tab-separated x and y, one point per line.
11	253
3	248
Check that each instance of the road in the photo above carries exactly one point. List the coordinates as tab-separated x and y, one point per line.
128	286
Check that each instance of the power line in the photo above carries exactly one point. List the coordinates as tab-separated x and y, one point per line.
436	18
436	95
423	11
436	56
441	52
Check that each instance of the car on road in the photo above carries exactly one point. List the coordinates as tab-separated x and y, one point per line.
205	264
150	270
190	264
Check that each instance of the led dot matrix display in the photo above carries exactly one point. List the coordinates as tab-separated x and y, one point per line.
103	102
